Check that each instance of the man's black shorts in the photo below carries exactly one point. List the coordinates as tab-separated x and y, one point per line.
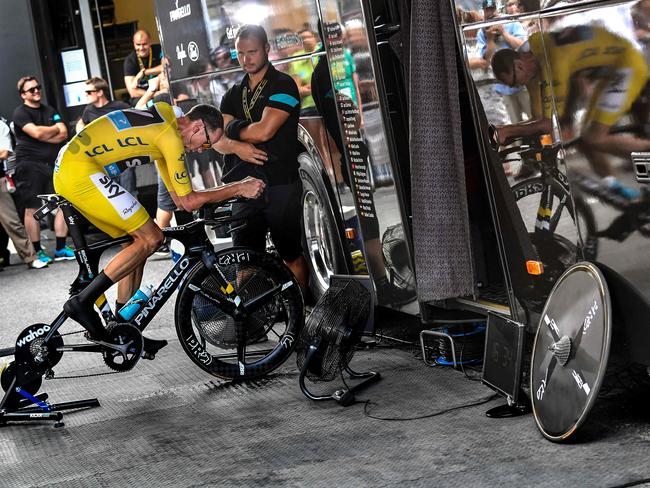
32	178
281	214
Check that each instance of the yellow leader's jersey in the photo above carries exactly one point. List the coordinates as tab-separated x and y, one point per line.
617	68
105	148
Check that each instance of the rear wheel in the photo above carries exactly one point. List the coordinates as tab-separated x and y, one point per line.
210	335
564	217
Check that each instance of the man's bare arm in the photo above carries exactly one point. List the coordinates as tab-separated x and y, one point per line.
266	128
4	153
244	150
61	136
131	83
41	132
522	129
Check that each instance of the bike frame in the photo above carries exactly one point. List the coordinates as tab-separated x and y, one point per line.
198	249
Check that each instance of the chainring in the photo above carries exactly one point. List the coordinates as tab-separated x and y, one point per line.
7	378
122	334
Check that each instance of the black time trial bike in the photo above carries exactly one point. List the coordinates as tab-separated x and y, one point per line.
238	311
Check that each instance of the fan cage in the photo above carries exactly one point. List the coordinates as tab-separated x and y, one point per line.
338	319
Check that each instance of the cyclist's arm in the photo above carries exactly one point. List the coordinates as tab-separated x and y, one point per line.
528	128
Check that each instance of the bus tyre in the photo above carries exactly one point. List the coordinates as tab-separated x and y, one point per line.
321	242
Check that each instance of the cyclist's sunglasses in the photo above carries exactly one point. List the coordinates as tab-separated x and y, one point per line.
208	143
33	89
88	92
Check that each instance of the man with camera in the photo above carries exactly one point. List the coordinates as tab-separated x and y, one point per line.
494	38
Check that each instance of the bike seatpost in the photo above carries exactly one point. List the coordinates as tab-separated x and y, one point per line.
73	220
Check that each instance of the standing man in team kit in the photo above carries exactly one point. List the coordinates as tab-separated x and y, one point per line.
108	146
261	115
40	133
143	64
99	102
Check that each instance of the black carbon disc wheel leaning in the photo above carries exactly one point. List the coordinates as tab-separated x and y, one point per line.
208	334
570	352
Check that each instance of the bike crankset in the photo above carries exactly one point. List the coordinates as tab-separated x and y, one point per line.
124	346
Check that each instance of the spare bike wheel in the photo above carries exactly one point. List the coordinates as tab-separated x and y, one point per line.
571	351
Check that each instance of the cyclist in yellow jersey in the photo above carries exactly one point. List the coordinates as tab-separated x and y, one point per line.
107	146
590	51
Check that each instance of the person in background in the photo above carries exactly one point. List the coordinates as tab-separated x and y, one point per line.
262	111
40	133
10	224
97	93
144	63
310	42
490	40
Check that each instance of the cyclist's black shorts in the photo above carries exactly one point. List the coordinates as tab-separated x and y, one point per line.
281	213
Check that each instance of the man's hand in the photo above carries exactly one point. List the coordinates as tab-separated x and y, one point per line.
249	153
153	85
250	187
495	30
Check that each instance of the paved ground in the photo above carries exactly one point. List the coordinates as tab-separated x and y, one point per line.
167	423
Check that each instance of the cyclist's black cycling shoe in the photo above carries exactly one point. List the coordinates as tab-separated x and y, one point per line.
87	317
151	347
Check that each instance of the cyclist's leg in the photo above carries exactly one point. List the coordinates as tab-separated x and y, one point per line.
614	97
113	210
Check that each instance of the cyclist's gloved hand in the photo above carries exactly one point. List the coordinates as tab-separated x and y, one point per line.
234	127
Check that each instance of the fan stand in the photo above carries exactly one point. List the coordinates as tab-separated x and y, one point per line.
344	397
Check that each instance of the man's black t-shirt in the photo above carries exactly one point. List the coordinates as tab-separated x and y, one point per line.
28	148
91	112
279	92
132	67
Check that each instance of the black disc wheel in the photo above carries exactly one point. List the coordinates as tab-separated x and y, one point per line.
570	352
7	380
128	341
257	330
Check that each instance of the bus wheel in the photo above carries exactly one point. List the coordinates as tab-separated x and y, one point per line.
321	243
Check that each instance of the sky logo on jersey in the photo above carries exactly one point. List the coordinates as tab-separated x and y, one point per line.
121	200
119	120
56	118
